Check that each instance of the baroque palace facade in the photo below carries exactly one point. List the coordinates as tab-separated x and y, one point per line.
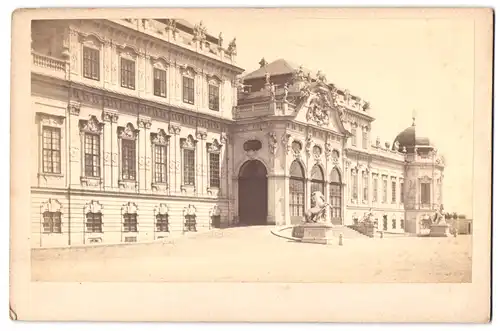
144	128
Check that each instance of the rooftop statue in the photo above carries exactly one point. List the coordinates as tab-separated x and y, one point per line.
317	213
232	47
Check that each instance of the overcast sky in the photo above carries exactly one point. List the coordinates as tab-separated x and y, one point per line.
398	65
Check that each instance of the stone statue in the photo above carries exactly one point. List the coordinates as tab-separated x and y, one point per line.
317	213
368	217
231	48
439	216
396	146
285	88
268	78
377	142
220	40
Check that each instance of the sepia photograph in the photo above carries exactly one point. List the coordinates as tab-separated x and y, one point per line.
270	146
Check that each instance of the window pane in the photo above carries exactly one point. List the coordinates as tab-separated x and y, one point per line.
214	170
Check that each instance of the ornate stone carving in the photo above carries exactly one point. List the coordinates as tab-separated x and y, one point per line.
52	205
231	48
144	122
199	32
318	109
91	125
74	108
201	134
174	129
377	142
215	211
396	145
285	140
162	209
220	40
130	208
214	147
296	147
90	181
224	138
127	132
328	150
188	142
159	138
308	143
93	207
127	185
52	120
109	116
273	142
189	210
316	151
321	77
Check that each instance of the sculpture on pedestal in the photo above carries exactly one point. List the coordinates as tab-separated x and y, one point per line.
317	213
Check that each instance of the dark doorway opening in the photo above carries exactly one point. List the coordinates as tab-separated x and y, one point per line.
252	193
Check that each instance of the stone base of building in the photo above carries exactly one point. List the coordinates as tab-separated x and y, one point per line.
440	230
316	233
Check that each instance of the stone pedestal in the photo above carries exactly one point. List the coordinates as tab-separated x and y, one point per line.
440	230
316	233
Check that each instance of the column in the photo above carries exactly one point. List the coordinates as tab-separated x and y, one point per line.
174	158
144	149
110	148
75	146
201	162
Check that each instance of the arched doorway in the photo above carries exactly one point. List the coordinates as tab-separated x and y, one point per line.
252	193
335	197
296	187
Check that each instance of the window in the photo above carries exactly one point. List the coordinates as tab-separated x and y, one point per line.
188	90
402	223
190	223
425	193
393	223
213	97
317	180
393	192
51	150
128	159
375	189
52	222
385	222
128	73
160	82
92	155
384	197
94	222
335	197
162	223
354	181
188	155
296	190
214	169
160	163
401	193
90	63
129	222
365	186
354	136
365	140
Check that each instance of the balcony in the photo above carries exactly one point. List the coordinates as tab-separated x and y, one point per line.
49	66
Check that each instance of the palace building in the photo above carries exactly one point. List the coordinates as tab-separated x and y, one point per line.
145	129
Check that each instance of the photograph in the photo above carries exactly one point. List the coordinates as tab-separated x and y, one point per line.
256	146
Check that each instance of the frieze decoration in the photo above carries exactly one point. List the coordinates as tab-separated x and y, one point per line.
128	132
285	140
174	129
91	125
273	142
74	108
159	138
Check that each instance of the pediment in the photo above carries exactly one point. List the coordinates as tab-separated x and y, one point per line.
317	106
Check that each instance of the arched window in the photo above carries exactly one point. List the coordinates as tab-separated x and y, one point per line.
297	190
336	197
317	179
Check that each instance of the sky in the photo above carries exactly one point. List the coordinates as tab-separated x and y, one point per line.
401	66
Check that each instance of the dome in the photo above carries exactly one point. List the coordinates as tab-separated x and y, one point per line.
408	138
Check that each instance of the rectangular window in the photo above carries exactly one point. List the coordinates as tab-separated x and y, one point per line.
92	155
375	189
384	197
160	82
393	192
52	222
51	150
128	73
160	164
188	159
213	97
129	222
190	223
425	193
90	63
354	179
401	193
214	169
162	223
365	186
188	90
94	222
394	223
354	136
365	140
128	159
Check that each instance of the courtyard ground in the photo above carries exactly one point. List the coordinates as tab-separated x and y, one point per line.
252	254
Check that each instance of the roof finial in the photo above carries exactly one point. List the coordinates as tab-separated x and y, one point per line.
414	114
263	62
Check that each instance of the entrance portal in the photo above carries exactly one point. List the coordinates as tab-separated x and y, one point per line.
252	193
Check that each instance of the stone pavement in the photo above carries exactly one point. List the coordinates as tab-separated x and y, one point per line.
251	254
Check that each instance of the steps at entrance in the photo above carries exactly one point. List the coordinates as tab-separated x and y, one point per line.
347	232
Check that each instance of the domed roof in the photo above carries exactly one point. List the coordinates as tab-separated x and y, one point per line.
408	138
